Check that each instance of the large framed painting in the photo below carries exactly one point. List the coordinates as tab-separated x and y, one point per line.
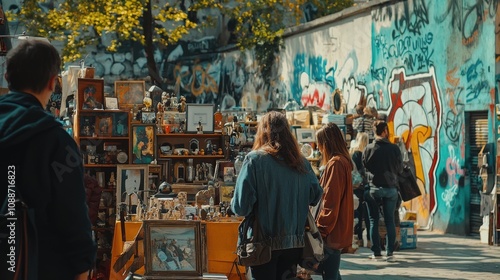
173	248
143	144
129	93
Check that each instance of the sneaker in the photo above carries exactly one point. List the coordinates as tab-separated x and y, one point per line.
390	258
375	257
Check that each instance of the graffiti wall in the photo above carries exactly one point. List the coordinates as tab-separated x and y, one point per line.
423	64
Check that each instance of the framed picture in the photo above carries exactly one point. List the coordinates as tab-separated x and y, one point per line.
90	94
148	117
131	179
87	126
200	118
229	174
219	168
111	103
172	248
104	125
129	93
143	143
226	192
120	124
305	135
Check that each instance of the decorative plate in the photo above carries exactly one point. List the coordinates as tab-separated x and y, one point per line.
122	157
306	150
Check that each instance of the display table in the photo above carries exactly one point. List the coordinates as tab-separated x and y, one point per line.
221	245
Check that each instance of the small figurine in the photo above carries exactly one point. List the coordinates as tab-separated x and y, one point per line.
112	182
202	152
182	106
199	128
147	101
219	151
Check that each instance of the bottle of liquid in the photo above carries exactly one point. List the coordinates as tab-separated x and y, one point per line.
218	119
190	171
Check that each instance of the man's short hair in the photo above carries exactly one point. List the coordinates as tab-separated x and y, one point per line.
379	127
31	65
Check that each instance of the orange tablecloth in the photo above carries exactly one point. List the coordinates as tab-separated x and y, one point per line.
221	245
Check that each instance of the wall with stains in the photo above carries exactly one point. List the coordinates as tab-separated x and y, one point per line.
423	64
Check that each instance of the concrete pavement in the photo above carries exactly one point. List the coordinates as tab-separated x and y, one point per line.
437	256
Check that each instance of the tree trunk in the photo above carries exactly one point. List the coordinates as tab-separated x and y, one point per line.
148	45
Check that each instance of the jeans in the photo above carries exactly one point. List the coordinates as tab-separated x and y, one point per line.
388	197
330	266
283	265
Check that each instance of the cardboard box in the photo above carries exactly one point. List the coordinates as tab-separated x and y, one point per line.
408	234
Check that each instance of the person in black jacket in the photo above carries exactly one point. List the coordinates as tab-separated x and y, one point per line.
47	165
383	160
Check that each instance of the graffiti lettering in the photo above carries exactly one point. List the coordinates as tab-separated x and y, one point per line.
448	196
197	81
453	167
476	80
413	19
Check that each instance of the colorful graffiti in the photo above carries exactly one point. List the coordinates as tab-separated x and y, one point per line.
414	116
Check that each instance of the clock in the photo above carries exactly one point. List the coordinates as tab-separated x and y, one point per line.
306	150
122	157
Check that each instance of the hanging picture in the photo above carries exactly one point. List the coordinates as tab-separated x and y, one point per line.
143	144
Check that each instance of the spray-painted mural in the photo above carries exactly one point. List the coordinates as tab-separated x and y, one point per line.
423	64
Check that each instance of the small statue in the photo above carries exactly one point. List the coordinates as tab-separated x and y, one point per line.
147	101
199	128
182	104
112	182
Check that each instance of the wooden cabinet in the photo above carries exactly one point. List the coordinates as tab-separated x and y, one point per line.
103	138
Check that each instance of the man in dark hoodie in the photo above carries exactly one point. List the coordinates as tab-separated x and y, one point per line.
41	162
383	160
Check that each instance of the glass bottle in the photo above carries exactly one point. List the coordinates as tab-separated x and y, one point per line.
218	119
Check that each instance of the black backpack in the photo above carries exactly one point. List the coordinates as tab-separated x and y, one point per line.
18	234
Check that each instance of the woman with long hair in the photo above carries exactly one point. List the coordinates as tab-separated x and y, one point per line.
361	212
335	219
277	184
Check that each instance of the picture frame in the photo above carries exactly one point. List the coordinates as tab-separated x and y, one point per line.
104	125
154	178
197	114
226	192
111	103
305	135
164	238
129	93
90	94
131	178
87	126
219	168
143	144
120	124
148	117
229	174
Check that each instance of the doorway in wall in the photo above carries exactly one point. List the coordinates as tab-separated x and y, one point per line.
478	137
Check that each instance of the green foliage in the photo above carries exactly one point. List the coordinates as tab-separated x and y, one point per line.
81	23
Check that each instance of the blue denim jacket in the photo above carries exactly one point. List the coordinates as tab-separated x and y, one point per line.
282	196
